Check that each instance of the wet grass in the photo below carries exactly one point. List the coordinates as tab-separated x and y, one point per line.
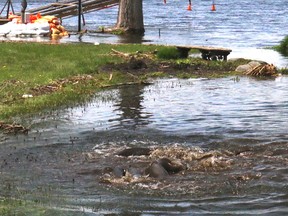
24	66
168	53
28	66
18	207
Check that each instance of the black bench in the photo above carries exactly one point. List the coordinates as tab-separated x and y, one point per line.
207	53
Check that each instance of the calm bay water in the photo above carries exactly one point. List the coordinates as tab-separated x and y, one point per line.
235	127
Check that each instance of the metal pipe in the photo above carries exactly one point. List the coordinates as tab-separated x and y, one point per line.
79	15
8	9
24	6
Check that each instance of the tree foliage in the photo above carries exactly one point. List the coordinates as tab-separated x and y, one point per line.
283	47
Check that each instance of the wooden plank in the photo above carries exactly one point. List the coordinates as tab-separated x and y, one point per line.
3	21
208	48
70	8
208	53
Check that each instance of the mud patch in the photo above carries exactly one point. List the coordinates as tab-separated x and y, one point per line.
191	67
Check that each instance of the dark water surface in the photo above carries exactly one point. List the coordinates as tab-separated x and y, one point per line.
230	133
247	27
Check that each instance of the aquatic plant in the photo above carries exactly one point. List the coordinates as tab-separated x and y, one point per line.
283	70
283	47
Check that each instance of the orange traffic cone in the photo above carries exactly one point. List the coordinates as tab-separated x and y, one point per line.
213	7
189	8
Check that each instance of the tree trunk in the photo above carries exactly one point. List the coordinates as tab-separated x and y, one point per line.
130	16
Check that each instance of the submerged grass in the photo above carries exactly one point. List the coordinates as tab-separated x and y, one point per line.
18	207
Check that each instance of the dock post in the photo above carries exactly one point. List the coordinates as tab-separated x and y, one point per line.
79	15
24	6
8	8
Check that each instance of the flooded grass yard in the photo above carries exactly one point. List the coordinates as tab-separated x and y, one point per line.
230	135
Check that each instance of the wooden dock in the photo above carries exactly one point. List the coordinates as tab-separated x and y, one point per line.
3	21
66	9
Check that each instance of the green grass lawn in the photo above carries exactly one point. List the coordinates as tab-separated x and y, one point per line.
24	66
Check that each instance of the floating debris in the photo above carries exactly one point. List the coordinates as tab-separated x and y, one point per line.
263	69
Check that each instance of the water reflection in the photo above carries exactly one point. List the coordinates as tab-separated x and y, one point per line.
131	38
197	110
129	107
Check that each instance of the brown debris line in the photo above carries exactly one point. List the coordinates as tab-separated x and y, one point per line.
137	54
13	128
121	54
263	70
58	84
12	82
145	63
